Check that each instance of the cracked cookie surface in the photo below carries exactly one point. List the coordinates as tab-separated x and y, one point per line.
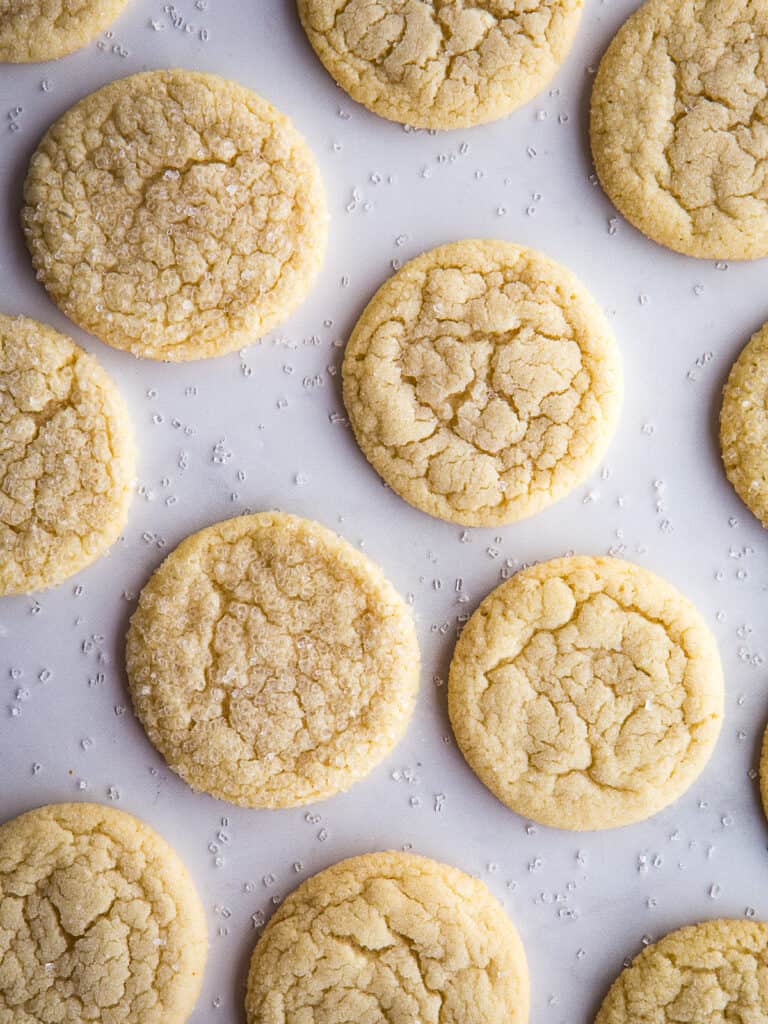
764	772
389	938
705	973
271	664
744	425
99	921
66	457
441	63
680	125
176	215
37	30
586	693
482	382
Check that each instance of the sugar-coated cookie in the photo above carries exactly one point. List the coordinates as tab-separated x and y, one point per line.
744	425
270	662
482	382
99	921
441	63
36	30
763	774
680	125
586	693
700	974
389	938
66	460
175	214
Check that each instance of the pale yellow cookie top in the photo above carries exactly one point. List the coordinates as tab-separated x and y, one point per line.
764	772
482	382
36	30
175	214
744	425
441	63
270	662
99	920
680	125
586	693
702	974
66	462
389	938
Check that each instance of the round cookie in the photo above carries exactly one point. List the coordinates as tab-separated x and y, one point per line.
764	772
744	425
37	30
586	693
271	663
441	63
482	382
679	125
703	974
66	462
99	921
174	214
389	937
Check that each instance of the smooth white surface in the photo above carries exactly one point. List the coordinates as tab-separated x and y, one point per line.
662	501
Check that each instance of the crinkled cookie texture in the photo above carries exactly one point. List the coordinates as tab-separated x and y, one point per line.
271	663
36	30
586	693
680	125
482	382
99	921
174	214
441	63
706	973
389	938
744	425
66	458
764	772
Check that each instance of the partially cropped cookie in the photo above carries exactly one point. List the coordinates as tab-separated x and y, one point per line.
744	425
763	774
441	63
66	457
680	126
176	215
270	662
701	974
482	382
99	921
586	693
37	30
389	937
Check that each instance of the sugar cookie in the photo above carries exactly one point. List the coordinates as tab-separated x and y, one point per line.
482	382
441	63
174	214
764	772
270	662
680	125
389	937
586	693
744	425
99	921
66	459
35	30
702	974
